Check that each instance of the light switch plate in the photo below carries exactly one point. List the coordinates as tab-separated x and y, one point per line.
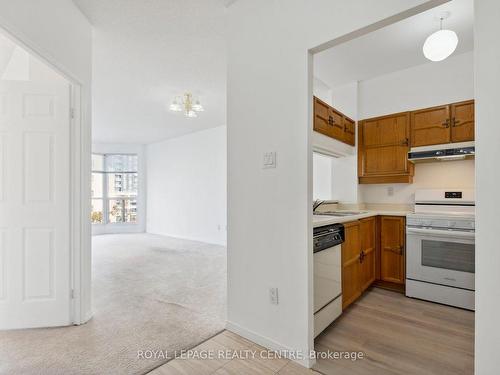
273	296
269	160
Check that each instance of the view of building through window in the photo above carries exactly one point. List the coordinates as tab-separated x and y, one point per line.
114	188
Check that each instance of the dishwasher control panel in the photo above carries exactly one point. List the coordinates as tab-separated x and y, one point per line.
327	236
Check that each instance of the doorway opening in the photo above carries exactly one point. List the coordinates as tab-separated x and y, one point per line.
379	98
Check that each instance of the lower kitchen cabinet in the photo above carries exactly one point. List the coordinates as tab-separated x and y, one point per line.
392	249
358	259
351	249
368	251
373	252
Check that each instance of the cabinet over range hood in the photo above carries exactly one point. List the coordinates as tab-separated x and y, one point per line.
448	151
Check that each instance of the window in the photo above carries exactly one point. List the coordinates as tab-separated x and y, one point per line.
114	188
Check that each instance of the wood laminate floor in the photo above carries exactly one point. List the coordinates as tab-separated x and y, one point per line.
398	335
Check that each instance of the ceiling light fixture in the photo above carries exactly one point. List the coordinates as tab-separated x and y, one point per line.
186	104
441	44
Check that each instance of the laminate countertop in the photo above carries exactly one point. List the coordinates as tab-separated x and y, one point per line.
321	220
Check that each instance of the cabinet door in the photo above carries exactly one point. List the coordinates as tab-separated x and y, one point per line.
321	118
392	245
351	249
462	121
349	131
430	126
385	145
337	124
368	244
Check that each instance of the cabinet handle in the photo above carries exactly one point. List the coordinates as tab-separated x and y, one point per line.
331	121
455	122
361	256
395	249
446	124
405	142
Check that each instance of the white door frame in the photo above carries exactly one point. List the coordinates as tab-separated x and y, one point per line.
80	155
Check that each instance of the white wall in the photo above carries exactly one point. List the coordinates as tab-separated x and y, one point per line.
487	79
58	32
269	109
187	186
421	86
322	177
322	90
56	29
126	148
434	175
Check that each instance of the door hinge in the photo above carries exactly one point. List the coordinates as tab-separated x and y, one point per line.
72	113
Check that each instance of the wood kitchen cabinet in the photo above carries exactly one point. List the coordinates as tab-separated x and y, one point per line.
392	249
430	126
322	118
351	250
443	124
332	123
372	253
358	259
349	131
462	121
368	251
383	145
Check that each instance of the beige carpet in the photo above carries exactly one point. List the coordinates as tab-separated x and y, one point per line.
150	292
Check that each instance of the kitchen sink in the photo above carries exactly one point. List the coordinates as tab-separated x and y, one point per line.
340	213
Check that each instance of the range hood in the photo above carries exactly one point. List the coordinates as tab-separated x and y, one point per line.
448	151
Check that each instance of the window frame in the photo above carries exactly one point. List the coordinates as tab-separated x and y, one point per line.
106	198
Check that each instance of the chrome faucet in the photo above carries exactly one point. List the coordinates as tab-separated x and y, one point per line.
317	203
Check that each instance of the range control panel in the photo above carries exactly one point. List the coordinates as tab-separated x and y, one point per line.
453	194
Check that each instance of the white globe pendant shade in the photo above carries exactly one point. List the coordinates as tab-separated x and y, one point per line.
439	45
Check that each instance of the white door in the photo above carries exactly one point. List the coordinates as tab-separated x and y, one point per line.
34	204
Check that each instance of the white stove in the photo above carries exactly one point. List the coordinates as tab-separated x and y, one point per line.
440	248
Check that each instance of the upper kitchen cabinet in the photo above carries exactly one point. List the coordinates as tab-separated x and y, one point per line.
383	145
462	121
430	126
443	124
322	118
333	123
349	131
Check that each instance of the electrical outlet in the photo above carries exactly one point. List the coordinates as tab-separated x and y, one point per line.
273	295
390	191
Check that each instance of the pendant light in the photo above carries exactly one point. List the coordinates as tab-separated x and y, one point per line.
441	44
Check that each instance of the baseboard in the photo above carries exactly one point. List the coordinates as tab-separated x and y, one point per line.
267	343
203	240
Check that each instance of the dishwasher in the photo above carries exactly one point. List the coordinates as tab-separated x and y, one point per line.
327	275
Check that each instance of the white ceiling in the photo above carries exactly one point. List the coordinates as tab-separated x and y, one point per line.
147	52
395	47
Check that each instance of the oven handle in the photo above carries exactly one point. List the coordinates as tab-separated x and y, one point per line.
440	232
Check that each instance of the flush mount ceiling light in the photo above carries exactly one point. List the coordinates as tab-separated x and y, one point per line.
187	104
441	44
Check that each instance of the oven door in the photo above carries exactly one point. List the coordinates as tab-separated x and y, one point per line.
440	256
